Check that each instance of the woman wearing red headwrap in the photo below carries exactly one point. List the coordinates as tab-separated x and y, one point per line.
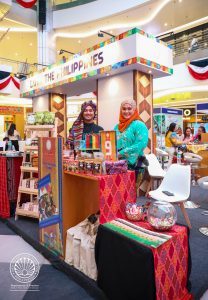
84	123
132	134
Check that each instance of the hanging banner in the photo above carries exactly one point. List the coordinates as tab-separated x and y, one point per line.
27	3
5	82
198	69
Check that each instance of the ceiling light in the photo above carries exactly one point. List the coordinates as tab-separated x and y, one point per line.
186	26
30	44
20	29
165	24
140	23
79	41
150	71
8	37
16	54
180	1
159	94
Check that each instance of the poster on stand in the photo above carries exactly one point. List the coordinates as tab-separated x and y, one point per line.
109	145
47	206
50	194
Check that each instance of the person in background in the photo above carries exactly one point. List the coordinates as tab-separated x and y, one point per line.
197	137
84	124
6	139
180	134
13	136
132	134
64	59
187	136
171	142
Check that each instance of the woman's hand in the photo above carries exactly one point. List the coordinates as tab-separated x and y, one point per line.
119	156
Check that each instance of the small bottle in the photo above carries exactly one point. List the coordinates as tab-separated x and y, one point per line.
179	157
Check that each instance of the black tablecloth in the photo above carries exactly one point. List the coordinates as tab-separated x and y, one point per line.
123	273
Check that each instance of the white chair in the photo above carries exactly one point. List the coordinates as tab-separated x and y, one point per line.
203	183
155	170
192	159
177	180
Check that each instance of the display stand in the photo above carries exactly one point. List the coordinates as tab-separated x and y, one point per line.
20	211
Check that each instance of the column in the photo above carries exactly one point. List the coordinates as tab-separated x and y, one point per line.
46	38
143	94
57	104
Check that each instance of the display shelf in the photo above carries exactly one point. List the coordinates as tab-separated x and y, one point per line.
28	190
39	127
29	169
31	148
87	176
27	213
50	130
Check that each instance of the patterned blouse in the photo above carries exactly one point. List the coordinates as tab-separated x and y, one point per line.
132	141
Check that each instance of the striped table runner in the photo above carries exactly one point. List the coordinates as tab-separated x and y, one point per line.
137	233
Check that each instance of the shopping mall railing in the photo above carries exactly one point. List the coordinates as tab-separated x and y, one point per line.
189	41
18	67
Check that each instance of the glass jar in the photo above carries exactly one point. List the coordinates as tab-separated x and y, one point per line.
161	215
133	211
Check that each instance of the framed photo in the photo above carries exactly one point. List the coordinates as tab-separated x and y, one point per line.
109	145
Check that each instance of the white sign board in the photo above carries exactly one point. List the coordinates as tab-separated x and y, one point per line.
130	49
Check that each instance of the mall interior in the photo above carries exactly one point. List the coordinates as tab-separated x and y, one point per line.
104	149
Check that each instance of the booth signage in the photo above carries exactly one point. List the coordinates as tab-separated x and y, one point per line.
124	50
202	108
172	111
11	110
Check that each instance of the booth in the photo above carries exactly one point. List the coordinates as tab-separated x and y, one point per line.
120	67
163	117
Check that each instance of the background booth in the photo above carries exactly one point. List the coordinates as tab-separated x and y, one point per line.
163	117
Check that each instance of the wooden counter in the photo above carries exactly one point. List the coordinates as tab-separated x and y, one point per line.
80	199
86	194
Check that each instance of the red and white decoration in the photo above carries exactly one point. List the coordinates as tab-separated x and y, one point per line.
199	73
27	3
6	81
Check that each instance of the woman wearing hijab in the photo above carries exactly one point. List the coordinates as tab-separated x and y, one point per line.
84	124
132	134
